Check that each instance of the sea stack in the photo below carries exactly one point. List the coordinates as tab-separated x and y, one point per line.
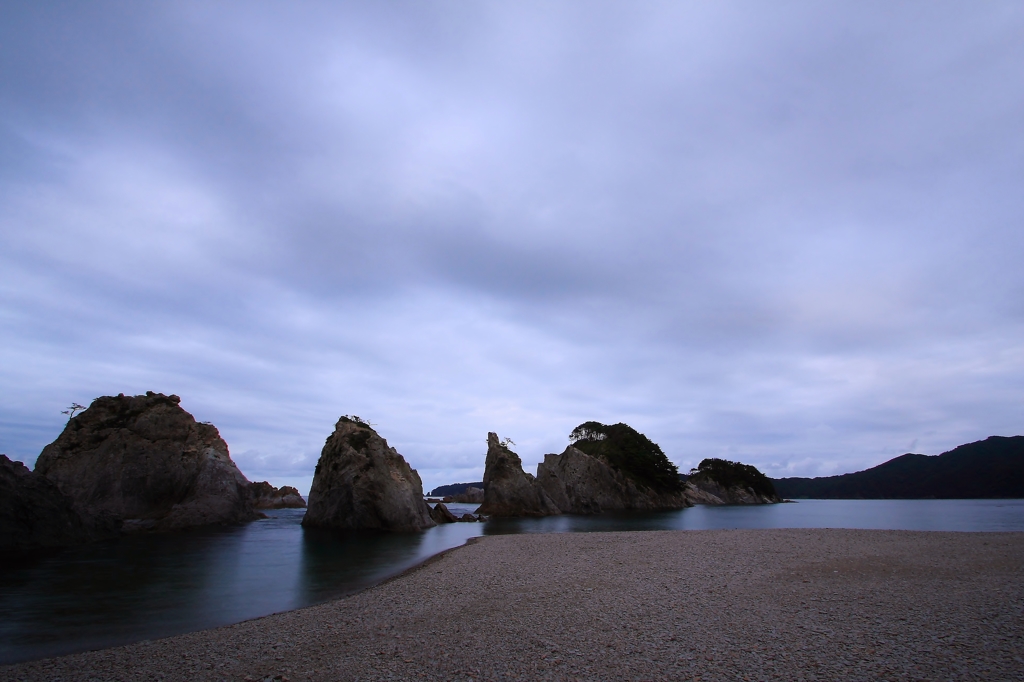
147	462
611	467
508	490
719	481
361	483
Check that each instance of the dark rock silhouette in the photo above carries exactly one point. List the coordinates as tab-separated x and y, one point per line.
990	468
266	496
719	481
508	490
454	489
607	468
146	461
362	483
579	483
470	495
35	514
440	514
473	495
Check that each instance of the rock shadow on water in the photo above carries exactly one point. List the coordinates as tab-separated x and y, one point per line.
334	563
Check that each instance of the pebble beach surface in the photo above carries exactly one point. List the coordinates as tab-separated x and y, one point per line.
676	605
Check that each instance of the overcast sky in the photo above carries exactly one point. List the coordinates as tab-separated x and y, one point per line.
785	233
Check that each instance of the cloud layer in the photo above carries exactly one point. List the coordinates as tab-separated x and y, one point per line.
788	234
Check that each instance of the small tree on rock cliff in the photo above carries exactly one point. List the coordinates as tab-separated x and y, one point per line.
70	412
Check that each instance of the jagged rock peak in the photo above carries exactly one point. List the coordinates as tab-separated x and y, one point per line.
361	483
508	490
146	461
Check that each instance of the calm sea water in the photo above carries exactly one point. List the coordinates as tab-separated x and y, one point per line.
146	587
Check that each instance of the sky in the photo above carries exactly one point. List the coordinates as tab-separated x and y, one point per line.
788	234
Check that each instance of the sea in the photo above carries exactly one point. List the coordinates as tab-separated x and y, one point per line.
150	586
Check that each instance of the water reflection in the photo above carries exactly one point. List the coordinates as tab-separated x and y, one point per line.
159	585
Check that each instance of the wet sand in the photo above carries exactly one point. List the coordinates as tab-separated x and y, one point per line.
710	605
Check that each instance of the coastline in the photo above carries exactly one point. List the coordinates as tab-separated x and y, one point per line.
718	604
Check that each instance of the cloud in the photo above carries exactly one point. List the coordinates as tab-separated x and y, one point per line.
787	235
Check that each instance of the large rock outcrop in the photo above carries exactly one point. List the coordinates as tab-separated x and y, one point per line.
266	496
361	483
719	481
146	461
35	514
583	484
508	490
607	468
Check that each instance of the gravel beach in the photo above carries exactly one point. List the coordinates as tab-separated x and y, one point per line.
709	605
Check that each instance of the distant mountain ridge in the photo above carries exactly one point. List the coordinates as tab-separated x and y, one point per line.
990	468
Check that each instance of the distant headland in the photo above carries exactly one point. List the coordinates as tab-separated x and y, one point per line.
990	468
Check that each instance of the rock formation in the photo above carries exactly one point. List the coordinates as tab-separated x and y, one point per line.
582	484
719	481
361	483
508	490
266	496
471	496
440	514
146	461
35	514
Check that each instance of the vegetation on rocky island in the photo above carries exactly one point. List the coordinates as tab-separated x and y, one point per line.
728	474
629	451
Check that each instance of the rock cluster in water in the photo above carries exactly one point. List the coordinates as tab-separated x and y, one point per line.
266	496
607	468
362	483
573	482
143	463
146	462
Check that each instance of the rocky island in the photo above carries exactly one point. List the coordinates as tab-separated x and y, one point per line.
719	481
146	462
360	483
605	468
127	464
609	468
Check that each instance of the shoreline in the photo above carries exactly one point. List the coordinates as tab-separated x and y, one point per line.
840	604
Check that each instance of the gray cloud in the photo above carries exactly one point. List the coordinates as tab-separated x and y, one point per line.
788	235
